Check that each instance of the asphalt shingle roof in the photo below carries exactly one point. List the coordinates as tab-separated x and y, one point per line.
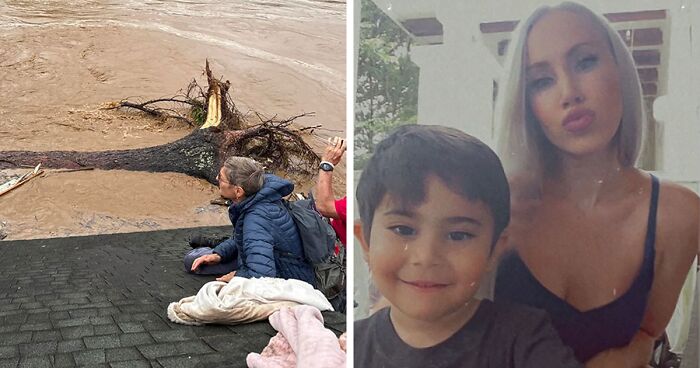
101	301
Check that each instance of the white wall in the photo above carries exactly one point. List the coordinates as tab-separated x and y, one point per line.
678	112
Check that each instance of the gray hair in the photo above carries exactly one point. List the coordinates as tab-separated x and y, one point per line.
522	144
244	172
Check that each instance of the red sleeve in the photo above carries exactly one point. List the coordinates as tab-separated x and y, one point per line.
341	208
339	223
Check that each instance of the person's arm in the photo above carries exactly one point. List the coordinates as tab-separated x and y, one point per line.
325	199
635	355
678	223
258	248
226	250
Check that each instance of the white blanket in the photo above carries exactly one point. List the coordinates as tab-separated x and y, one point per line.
244	300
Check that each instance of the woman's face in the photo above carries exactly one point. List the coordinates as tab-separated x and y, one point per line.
229	190
572	83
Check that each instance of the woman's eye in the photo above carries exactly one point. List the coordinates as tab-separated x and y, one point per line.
460	236
402	230
540	84
587	63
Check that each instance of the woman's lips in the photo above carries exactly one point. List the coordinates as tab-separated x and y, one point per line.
578	120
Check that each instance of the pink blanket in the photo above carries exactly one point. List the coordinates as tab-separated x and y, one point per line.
301	341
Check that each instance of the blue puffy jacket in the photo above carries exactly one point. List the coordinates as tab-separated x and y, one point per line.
265	238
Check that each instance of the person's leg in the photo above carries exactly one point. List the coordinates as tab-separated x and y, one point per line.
198	240
217	269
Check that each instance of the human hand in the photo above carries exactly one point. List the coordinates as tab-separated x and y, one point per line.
334	150
227	277
618	358
205	259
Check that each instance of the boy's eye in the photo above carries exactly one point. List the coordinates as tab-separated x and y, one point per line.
402	230
587	63
459	235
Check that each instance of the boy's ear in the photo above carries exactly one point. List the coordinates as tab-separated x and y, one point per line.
360	235
501	247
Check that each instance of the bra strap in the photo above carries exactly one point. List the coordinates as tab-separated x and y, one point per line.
651	222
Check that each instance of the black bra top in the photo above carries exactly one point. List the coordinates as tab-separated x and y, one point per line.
593	331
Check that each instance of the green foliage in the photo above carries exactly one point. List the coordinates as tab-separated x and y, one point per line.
387	80
198	115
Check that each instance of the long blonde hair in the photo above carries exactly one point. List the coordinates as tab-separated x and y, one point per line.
522	145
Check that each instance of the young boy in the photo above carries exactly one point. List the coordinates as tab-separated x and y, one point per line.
434	203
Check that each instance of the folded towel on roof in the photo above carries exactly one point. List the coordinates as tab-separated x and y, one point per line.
244	300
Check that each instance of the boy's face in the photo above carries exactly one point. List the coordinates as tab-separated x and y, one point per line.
428	260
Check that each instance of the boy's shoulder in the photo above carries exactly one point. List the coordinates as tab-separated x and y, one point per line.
366	339
363	328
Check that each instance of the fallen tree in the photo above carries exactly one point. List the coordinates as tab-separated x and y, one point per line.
275	143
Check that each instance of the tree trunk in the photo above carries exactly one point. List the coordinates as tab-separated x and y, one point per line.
199	154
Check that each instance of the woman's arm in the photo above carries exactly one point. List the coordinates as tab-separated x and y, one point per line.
635	355
227	249
678	223
677	243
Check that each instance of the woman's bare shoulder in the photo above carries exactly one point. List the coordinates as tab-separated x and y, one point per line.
678	215
679	203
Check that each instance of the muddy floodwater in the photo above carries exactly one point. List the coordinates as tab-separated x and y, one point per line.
61	62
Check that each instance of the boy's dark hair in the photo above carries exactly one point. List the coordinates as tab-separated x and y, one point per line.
403	160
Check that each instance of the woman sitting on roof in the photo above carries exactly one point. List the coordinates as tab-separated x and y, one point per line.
265	241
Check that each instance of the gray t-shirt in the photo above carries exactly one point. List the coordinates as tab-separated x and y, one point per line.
497	336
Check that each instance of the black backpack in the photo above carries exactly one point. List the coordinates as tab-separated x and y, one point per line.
318	240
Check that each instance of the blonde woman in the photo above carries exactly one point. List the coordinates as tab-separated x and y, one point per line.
602	246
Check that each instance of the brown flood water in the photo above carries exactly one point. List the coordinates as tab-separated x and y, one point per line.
61	61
